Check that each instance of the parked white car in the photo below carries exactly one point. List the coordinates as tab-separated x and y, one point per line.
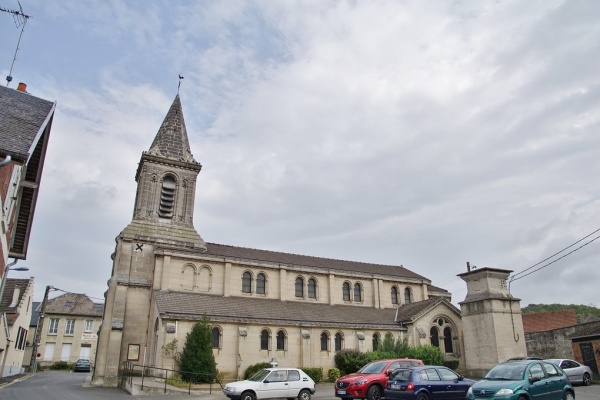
577	373
269	383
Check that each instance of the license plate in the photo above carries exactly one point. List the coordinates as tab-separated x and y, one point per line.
341	392
394	386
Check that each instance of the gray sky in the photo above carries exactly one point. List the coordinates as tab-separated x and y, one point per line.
416	133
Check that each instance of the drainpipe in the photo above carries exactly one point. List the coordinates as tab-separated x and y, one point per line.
5	161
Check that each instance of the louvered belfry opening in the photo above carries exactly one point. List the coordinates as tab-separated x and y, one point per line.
167	197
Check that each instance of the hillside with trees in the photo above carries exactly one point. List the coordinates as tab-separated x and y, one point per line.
581	310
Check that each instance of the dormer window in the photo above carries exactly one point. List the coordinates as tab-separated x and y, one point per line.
167	197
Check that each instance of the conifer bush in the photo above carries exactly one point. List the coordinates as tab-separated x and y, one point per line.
197	355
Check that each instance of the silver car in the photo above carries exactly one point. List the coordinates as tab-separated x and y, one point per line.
577	373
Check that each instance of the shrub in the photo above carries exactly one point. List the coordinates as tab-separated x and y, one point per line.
60	365
252	369
349	360
316	374
333	374
452	364
197	355
430	355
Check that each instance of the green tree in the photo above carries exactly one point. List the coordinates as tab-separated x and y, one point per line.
197	355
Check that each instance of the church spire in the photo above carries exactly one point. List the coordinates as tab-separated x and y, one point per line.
171	141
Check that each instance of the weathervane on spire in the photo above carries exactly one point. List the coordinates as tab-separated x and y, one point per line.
178	86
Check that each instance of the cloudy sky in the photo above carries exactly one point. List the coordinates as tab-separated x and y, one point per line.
416	133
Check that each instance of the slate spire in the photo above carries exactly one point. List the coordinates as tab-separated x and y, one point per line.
171	141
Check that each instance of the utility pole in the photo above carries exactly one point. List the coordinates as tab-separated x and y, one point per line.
38	331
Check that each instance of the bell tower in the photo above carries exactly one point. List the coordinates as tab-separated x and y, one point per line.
162	219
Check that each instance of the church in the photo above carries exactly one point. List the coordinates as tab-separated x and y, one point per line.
297	310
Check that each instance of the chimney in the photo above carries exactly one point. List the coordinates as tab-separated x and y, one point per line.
22	87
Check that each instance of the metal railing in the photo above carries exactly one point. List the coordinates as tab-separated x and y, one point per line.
189	379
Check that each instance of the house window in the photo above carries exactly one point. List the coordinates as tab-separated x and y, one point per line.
434	337
261	283
448	340
312	288
339	340
21	339
281	340
264	339
376	341
246	282
167	197
88	325
346	291
53	327
394	295
70	327
407	296
324	341
357	292
216	338
299	287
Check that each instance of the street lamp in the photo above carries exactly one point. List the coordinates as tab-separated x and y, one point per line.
5	274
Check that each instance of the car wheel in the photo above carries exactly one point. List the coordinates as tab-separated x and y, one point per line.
423	396
374	393
304	395
248	396
587	379
569	396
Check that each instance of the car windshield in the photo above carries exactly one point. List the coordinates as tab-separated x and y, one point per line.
373	368
260	375
508	371
400	375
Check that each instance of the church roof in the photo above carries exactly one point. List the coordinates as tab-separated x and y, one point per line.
413	311
188	305
243	253
171	141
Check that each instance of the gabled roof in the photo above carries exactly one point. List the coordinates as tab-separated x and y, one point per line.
247	254
192	306
171	141
22	120
25	123
7	297
549	320
73	304
408	313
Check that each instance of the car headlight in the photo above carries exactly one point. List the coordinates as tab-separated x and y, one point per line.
361	382
504	392
470	392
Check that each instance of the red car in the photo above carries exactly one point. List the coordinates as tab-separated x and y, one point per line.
370	381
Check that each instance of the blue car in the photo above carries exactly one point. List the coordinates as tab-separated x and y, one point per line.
523	380
426	383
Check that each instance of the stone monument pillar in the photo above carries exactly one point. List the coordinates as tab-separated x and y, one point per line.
491	320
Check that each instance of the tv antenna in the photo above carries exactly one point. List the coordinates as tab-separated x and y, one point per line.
20	19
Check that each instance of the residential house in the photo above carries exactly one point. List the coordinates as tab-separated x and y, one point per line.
15	312
69	329
25	124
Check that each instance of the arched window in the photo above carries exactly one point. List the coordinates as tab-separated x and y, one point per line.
167	197
434	337
407	296
312	288
281	340
394	295
357	292
376	341
188	275
346	291
247	282
299	287
339	341
216	338
264	339
324	341
448	340
261	283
